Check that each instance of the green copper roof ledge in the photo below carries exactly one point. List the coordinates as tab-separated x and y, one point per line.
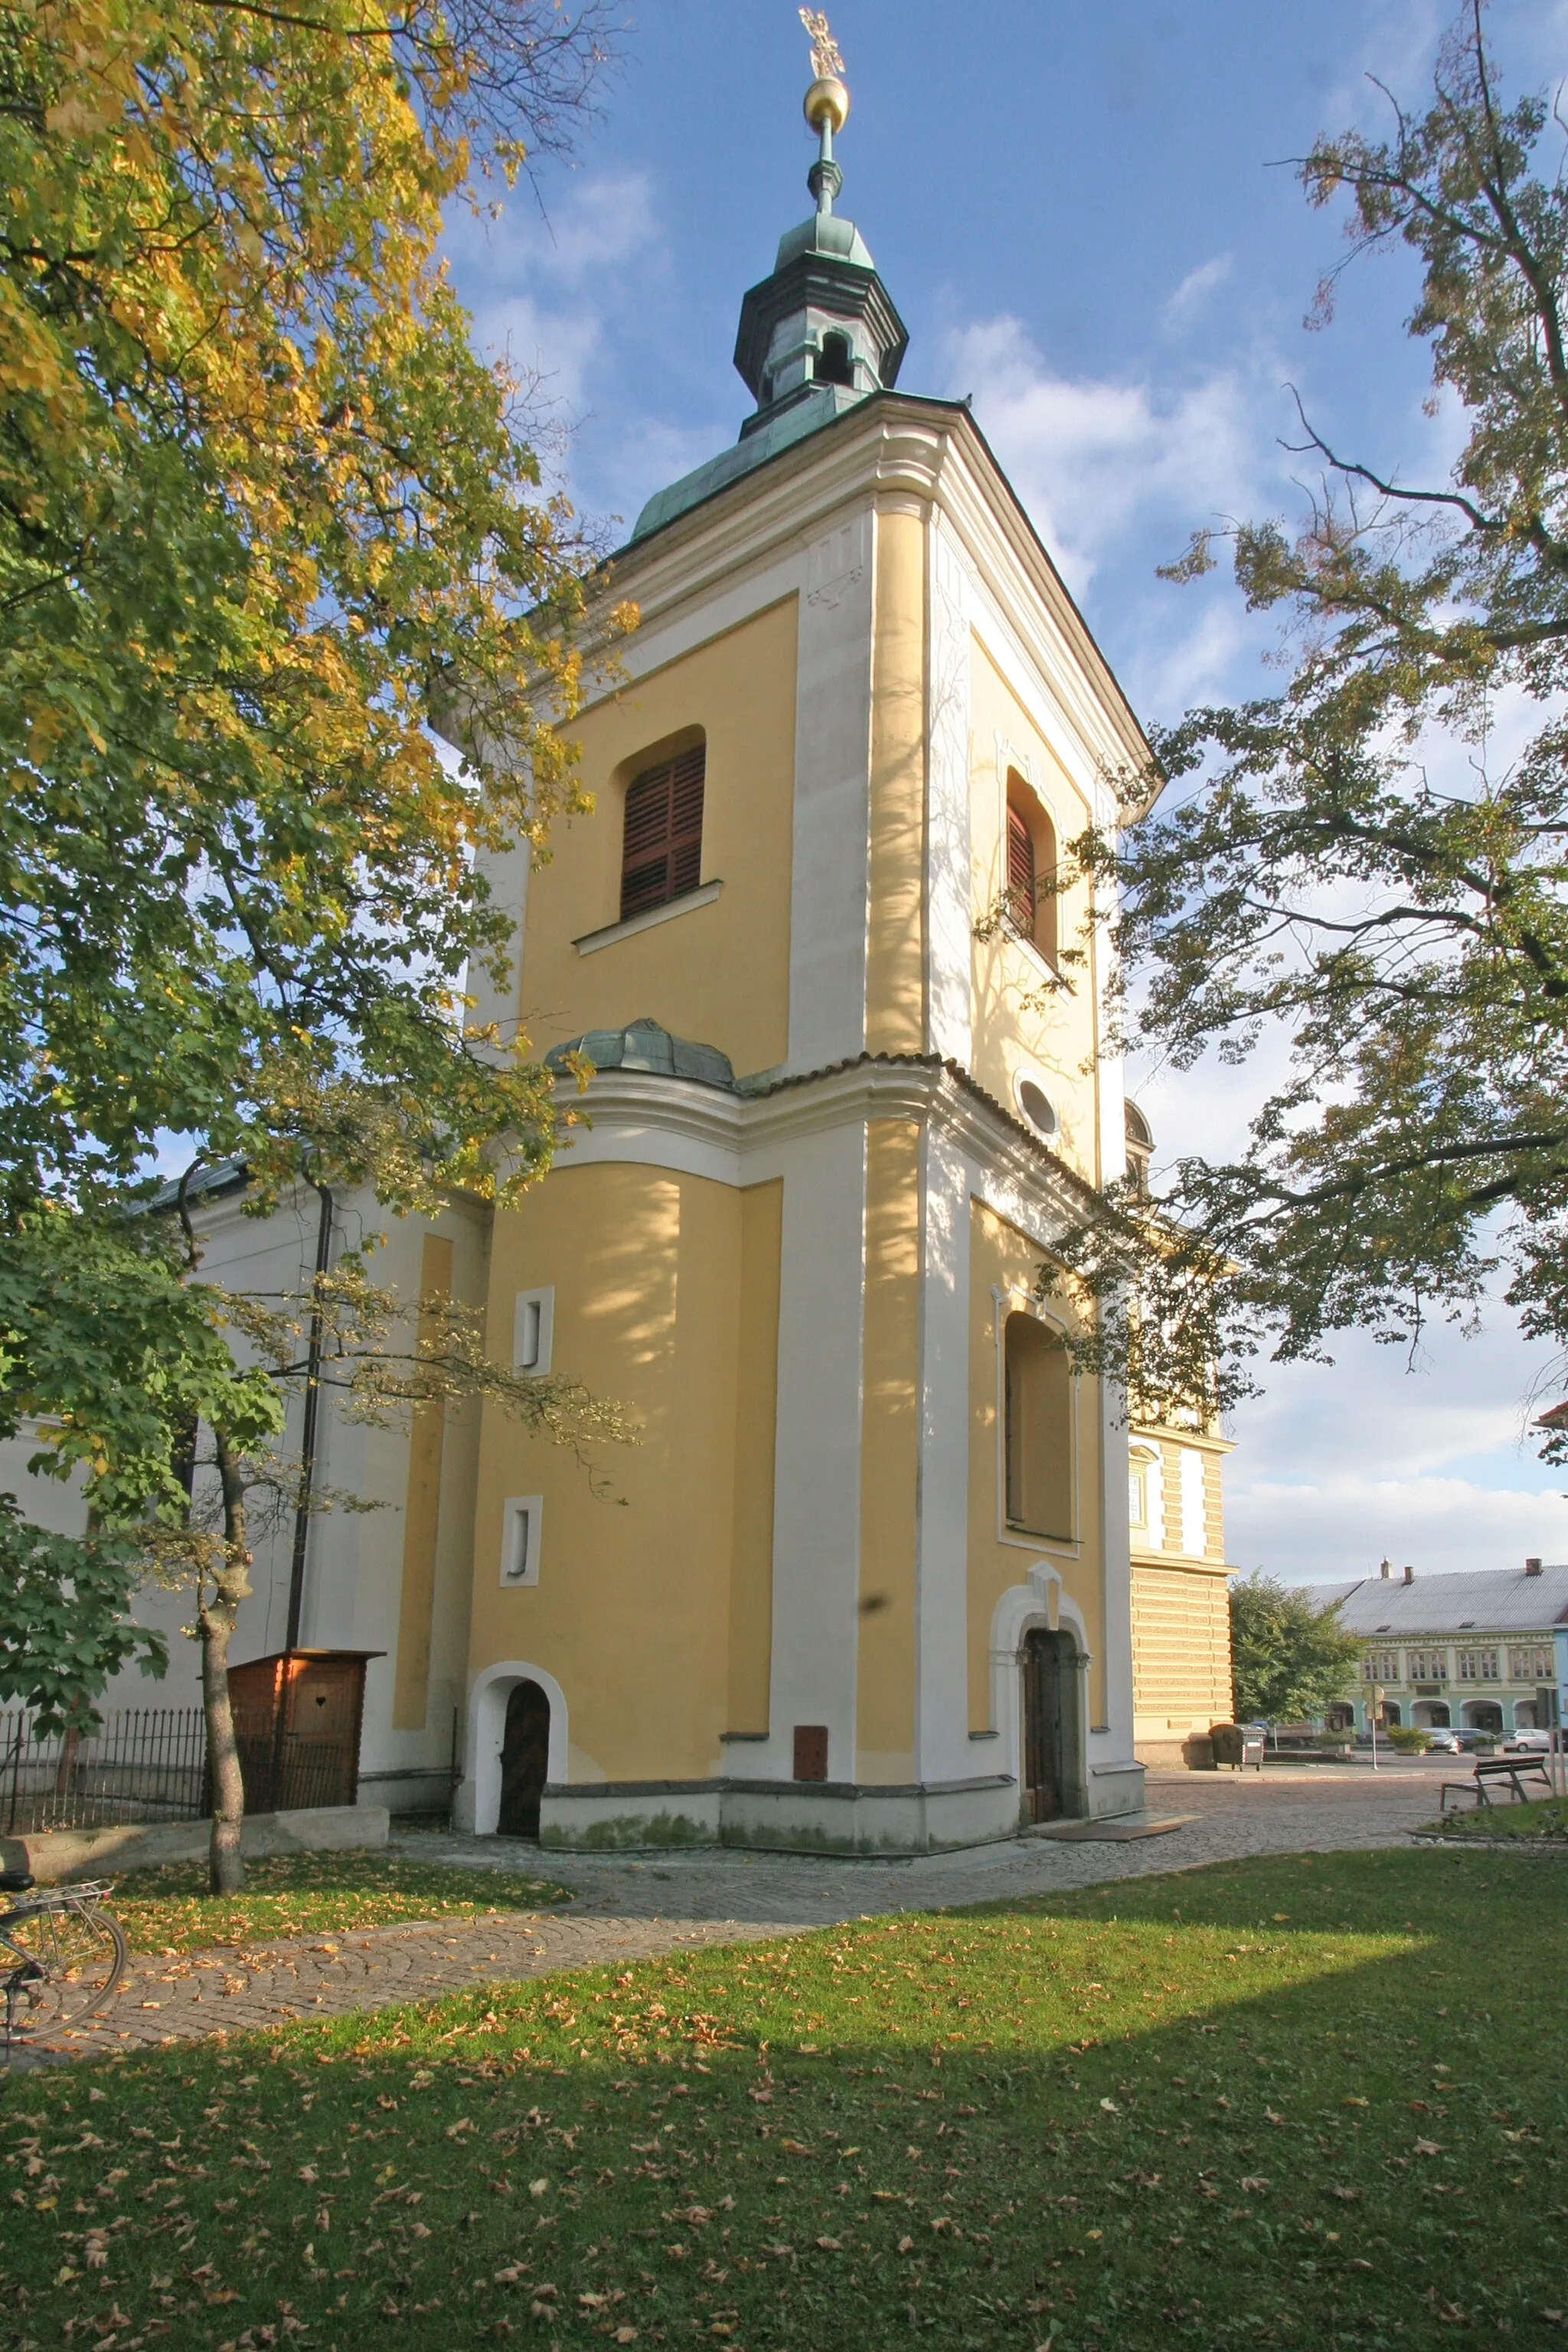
821	405
646	1045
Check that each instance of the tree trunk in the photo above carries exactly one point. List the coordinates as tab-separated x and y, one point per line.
216	1617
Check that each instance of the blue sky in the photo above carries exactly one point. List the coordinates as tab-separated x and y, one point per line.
1087	218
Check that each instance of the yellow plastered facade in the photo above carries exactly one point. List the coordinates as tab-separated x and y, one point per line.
416	1597
890	1453
736	691
1028	1022
895	988
1181	1605
647	1273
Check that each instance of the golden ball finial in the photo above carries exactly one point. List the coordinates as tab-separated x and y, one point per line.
828	97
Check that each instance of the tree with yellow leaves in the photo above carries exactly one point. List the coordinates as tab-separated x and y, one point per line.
263	511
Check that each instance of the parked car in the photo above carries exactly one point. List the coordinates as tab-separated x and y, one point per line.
1527	1743
1443	1743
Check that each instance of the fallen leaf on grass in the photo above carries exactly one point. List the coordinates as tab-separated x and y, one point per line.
906	2245
1425	2147
1254	2184
537	2187
831	2245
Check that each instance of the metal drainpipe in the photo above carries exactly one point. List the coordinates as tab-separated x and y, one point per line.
312	1416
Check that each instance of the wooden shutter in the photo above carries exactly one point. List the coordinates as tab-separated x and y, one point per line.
1021	898
661	844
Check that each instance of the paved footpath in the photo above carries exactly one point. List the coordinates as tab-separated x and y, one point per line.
632	1909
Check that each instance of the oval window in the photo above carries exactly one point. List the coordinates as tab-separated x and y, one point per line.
1035	1106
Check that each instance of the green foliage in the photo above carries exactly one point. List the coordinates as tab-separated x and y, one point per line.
1543	1819
112	1350
1288	1658
263	511
1405	1738
64	1621
1238	2106
1348	862
266	518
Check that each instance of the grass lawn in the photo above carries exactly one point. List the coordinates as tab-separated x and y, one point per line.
1317	2101
1544	1818
170	1911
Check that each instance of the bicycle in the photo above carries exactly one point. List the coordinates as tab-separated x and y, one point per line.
68	1955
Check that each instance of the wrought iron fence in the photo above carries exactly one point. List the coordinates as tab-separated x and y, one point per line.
148	1764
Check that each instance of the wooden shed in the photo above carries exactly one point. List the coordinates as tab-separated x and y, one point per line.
297	1719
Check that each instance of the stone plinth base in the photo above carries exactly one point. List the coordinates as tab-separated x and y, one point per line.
56	1857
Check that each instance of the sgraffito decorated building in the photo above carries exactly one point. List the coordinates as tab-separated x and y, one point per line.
864	1580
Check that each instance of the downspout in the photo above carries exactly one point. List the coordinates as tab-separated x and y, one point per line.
313	1419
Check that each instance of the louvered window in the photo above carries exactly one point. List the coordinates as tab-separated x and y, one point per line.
1021	898
662	851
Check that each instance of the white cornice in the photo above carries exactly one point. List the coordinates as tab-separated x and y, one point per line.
736	1132
892	449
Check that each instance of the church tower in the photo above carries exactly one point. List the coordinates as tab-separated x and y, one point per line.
864	1581
879	1573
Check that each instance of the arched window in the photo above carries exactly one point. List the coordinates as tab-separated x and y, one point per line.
836	361
1140	1146
661	839
1038	1434
1029	898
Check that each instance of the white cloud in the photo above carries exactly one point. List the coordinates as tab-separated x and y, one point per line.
1342	1523
1340	1466
555	346
602	223
1095	460
1194	292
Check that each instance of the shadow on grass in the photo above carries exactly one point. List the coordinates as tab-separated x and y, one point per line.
1308	2100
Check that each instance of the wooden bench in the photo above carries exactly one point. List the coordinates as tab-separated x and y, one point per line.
1511	1770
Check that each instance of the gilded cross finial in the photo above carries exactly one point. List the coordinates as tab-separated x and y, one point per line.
826	63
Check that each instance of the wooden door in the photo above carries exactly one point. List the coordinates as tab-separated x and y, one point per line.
1043	1669
524	1761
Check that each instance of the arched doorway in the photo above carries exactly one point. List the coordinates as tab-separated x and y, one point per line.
524	1761
1050	1725
1525	1716
1391	1714
1482	1715
1430	1715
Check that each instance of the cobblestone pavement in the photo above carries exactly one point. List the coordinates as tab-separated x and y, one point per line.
629	1908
